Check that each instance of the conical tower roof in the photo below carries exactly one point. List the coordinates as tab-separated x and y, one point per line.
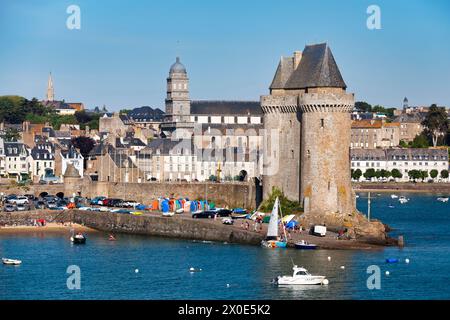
317	68
71	172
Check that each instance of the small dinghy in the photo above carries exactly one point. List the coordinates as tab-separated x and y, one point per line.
79	238
301	276
272	239
394	196
12	262
305	245
442	199
403	200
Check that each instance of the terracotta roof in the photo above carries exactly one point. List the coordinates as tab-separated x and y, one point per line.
372	124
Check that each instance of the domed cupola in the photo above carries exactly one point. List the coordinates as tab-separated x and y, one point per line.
178	67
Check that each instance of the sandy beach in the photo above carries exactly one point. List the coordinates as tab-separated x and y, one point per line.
49	227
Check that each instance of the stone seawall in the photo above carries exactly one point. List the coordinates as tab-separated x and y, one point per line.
405	186
223	194
172	227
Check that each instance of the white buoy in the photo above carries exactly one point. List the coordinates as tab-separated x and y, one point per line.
325	282
191	269
342	267
329	258
136	270
407	260
388	273
228	285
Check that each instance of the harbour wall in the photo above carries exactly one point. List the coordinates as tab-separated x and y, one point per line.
231	194
438	188
172	227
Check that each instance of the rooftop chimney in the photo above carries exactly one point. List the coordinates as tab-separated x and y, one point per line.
297	58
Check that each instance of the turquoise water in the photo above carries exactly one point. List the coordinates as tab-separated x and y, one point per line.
232	271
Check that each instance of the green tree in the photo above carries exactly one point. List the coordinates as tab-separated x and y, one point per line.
369	174
434	173
11	134
356	174
444	174
403	144
420	141
84	144
423	174
287	206
436	123
363	106
212	178
396	174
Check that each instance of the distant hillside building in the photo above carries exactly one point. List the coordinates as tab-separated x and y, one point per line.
372	134
404	160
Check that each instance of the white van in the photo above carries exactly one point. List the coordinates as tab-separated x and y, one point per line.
320	231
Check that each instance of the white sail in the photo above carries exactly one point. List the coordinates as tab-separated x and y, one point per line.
272	231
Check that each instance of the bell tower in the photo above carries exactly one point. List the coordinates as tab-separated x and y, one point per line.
178	105
50	91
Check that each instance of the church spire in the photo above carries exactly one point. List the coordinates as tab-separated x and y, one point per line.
50	91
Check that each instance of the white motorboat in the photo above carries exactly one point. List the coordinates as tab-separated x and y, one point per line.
301	276
442	199
394	196
13	262
403	199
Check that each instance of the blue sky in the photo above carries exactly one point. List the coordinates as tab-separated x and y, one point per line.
122	54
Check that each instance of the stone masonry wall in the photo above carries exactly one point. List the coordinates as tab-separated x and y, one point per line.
282	151
223	194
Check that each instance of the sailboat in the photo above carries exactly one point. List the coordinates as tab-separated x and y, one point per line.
272	239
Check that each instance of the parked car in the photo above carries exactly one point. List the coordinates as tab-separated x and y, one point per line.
112	202
97	201
30	197
22	207
320	231
9	207
223	212
51	204
19	200
129	204
204	214
39	204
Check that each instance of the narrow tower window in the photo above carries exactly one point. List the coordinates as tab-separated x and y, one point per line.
321	123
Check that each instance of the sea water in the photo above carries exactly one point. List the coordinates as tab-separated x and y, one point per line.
231	271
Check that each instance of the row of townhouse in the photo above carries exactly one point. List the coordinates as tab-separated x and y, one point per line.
169	160
43	162
402	159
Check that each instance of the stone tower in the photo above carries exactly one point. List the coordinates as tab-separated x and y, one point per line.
282	126
310	108
50	91
405	104
178	105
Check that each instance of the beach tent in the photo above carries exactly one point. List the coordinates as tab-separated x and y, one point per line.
291	224
288	218
165	206
155	205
